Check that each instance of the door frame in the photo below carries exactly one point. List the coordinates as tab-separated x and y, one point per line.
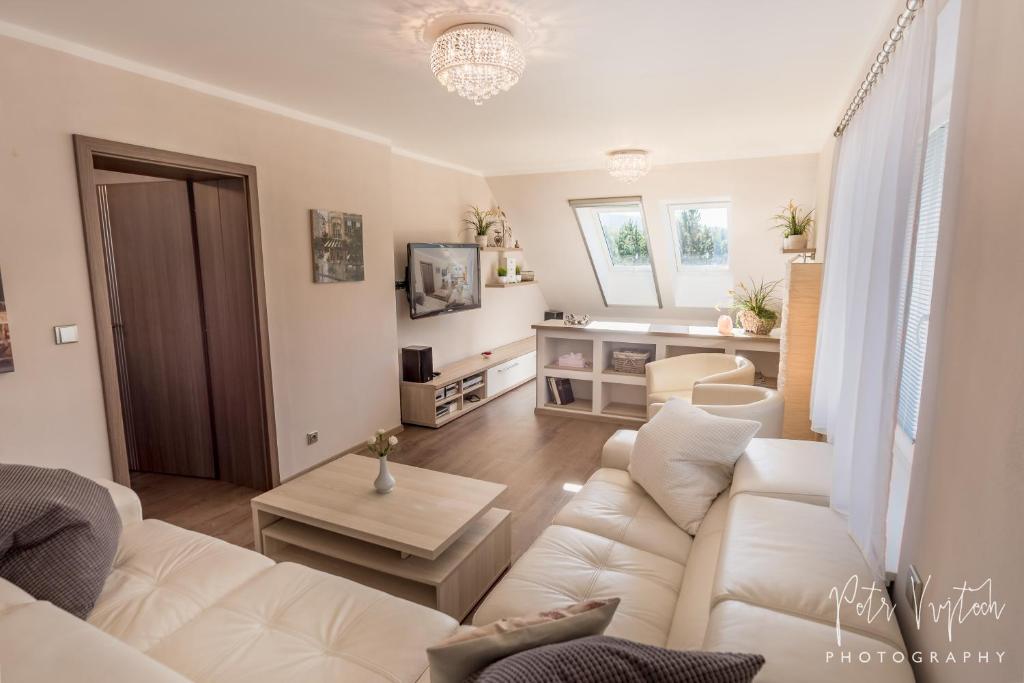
92	154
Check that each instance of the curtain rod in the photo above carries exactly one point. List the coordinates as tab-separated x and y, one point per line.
903	22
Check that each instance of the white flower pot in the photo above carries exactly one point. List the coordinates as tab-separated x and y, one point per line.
503	279
481	241
796	242
384	481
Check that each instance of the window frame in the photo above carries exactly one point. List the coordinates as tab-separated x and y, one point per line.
597	203
677	259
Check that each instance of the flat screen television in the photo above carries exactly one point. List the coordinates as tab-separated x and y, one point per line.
443	278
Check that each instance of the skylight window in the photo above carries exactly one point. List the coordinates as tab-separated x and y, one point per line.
700	239
615	234
701	235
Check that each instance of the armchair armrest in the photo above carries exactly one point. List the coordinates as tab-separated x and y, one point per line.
127	502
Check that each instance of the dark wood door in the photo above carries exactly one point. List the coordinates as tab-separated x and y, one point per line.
232	323
160	323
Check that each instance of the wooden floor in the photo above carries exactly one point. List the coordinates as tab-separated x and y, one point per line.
502	441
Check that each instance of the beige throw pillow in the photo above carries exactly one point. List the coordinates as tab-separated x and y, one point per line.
469	651
684	458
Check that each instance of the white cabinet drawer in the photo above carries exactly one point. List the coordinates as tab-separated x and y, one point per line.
511	373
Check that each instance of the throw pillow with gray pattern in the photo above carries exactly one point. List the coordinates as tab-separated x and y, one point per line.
58	535
602	659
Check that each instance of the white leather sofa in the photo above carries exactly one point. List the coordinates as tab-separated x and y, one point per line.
760	404
676	377
756	577
182	606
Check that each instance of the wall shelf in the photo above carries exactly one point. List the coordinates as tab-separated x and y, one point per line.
501	249
502	285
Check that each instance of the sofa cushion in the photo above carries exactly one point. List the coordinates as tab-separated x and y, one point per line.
797	650
612	505
566	565
298	624
463	654
40	643
785	468
58	535
684	458
601	659
789	557
164	576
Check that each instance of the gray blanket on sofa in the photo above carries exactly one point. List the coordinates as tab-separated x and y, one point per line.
58	535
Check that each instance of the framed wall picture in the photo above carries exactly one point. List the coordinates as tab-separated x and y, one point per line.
6	352
337	246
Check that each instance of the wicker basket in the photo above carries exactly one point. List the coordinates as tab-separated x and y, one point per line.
631	361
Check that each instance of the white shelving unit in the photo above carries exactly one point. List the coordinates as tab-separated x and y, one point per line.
601	392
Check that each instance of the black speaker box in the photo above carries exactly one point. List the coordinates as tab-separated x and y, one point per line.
417	364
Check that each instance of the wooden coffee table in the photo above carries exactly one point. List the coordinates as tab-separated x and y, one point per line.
435	539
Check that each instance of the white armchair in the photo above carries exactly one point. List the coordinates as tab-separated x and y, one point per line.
676	377
760	404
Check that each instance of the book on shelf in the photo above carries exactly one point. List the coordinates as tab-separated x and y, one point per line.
561	390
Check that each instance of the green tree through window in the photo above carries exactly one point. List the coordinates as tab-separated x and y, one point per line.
631	244
701	244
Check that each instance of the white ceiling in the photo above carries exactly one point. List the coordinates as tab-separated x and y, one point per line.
688	79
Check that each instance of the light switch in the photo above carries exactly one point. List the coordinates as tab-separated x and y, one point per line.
65	334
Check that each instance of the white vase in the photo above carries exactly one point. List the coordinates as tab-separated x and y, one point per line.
796	242
481	241
384	481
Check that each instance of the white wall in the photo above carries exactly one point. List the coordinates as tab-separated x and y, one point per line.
332	346
428	203
756	188
964	509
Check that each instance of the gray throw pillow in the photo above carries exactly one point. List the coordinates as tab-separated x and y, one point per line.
602	659
58	535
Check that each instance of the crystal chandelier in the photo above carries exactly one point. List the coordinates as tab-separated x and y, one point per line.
628	165
477	60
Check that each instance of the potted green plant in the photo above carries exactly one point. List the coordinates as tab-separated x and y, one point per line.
795	225
519	273
502	274
480	221
756	306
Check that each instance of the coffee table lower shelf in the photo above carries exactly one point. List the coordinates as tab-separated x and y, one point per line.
453	583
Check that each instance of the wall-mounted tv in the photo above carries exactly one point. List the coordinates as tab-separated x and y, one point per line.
443	278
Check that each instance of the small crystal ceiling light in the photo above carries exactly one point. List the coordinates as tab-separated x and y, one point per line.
629	165
477	60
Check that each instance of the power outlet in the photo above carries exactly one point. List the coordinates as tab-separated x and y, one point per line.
914	592
312	438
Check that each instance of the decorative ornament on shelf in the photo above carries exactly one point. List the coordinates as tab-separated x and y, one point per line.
629	165
576	320
477	61
380	444
503	236
795	226
725	325
756	306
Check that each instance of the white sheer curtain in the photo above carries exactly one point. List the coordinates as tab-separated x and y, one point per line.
853	399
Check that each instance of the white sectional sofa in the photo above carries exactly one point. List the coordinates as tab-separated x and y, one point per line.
756	577
182	606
